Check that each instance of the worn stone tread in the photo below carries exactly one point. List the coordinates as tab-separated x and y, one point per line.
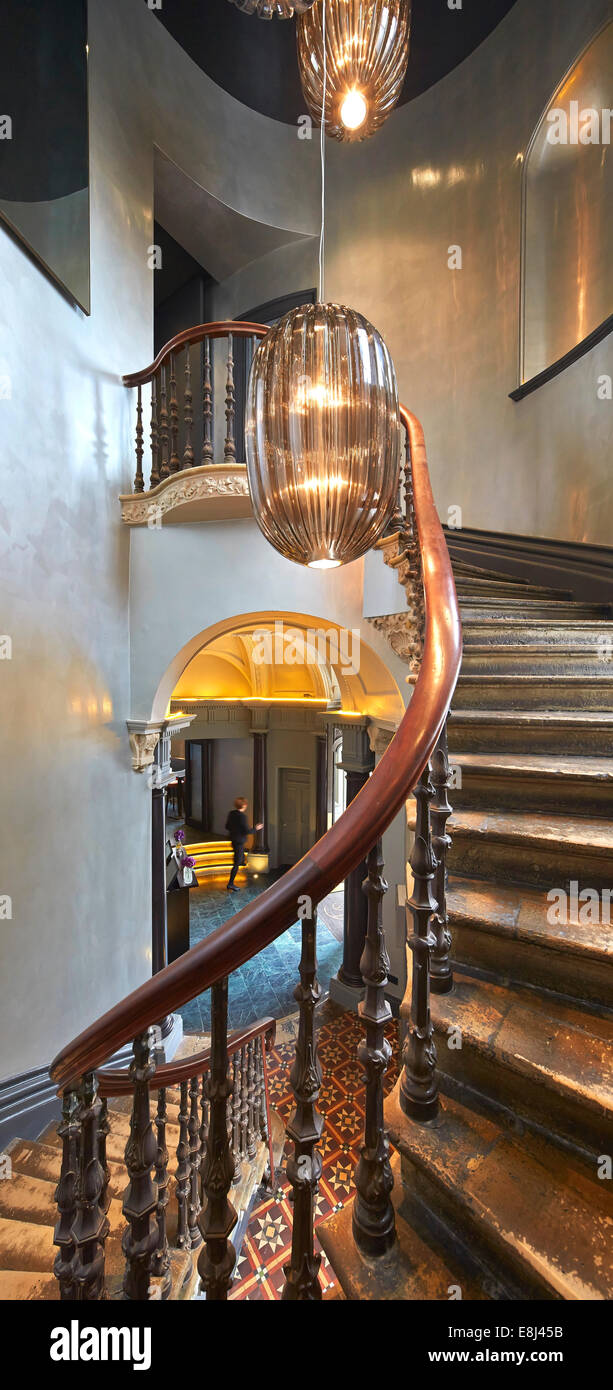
547	1042
523	1198
413	1270
520	914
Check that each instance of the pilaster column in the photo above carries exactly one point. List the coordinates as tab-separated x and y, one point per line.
321	786
357	762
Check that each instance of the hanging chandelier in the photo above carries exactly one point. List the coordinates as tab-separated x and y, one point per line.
366	51
322	435
266	9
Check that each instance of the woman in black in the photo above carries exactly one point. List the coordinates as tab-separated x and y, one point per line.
239	830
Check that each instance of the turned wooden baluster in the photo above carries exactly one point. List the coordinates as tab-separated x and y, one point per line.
194	1163
216	1262
251	1138
441	974
204	1129
373	1211
244	1103
260	1119
264	1110
208	453
160	1262
235	1115
140	1201
66	1194
173	408
418	1083
139	482
164	434
304	1129
230	444
155	448
90	1227
188	412
182	1175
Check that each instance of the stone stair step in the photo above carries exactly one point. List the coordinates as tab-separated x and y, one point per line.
26	1246
44	1161
498	609
522	634
522	1204
415	1269
505	931
588	732
512	781
489	660
32	1200
25	1286
544	850
490	585
547	1061
588	690
117	1138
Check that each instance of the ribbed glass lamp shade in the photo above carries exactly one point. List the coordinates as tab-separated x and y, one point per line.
322	435
267	9
367	51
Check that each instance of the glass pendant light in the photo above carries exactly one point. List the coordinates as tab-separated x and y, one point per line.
322	435
366	49
266	9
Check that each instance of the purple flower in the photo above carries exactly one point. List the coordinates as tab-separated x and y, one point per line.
188	862
179	836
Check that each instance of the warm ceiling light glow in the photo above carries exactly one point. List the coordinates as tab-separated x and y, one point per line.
322	435
367	51
353	110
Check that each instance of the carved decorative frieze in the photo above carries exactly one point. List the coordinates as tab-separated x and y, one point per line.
188	485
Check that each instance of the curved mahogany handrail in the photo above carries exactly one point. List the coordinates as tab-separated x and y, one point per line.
239	328
343	846
119	1083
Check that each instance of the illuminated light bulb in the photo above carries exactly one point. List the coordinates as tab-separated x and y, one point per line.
366	57
353	110
323	564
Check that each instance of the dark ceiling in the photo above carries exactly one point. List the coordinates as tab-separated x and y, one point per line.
255	59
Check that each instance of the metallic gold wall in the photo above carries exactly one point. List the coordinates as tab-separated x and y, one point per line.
446	171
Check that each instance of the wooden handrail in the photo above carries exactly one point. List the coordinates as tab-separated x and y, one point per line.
238	329
347	842
119	1083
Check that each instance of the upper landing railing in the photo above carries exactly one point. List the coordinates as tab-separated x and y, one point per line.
191	400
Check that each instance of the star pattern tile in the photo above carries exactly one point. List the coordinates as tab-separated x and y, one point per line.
266	1248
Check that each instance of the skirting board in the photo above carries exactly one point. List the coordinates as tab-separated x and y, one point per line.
586	571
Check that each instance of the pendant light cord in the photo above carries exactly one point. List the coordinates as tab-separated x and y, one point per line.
322	152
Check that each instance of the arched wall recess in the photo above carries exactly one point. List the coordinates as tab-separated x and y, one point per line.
567	206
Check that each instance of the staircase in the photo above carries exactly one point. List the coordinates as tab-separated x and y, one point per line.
212	857
504	1194
30	1232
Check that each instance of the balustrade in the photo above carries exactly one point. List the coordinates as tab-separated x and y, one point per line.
178	417
223	1093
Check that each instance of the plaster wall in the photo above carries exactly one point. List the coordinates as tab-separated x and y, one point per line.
446	171
75	857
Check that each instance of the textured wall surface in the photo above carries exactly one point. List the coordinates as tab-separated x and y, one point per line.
75	856
446	170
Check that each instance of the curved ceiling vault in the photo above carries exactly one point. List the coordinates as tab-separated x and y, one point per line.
255	60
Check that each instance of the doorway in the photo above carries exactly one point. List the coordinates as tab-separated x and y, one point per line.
294	813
